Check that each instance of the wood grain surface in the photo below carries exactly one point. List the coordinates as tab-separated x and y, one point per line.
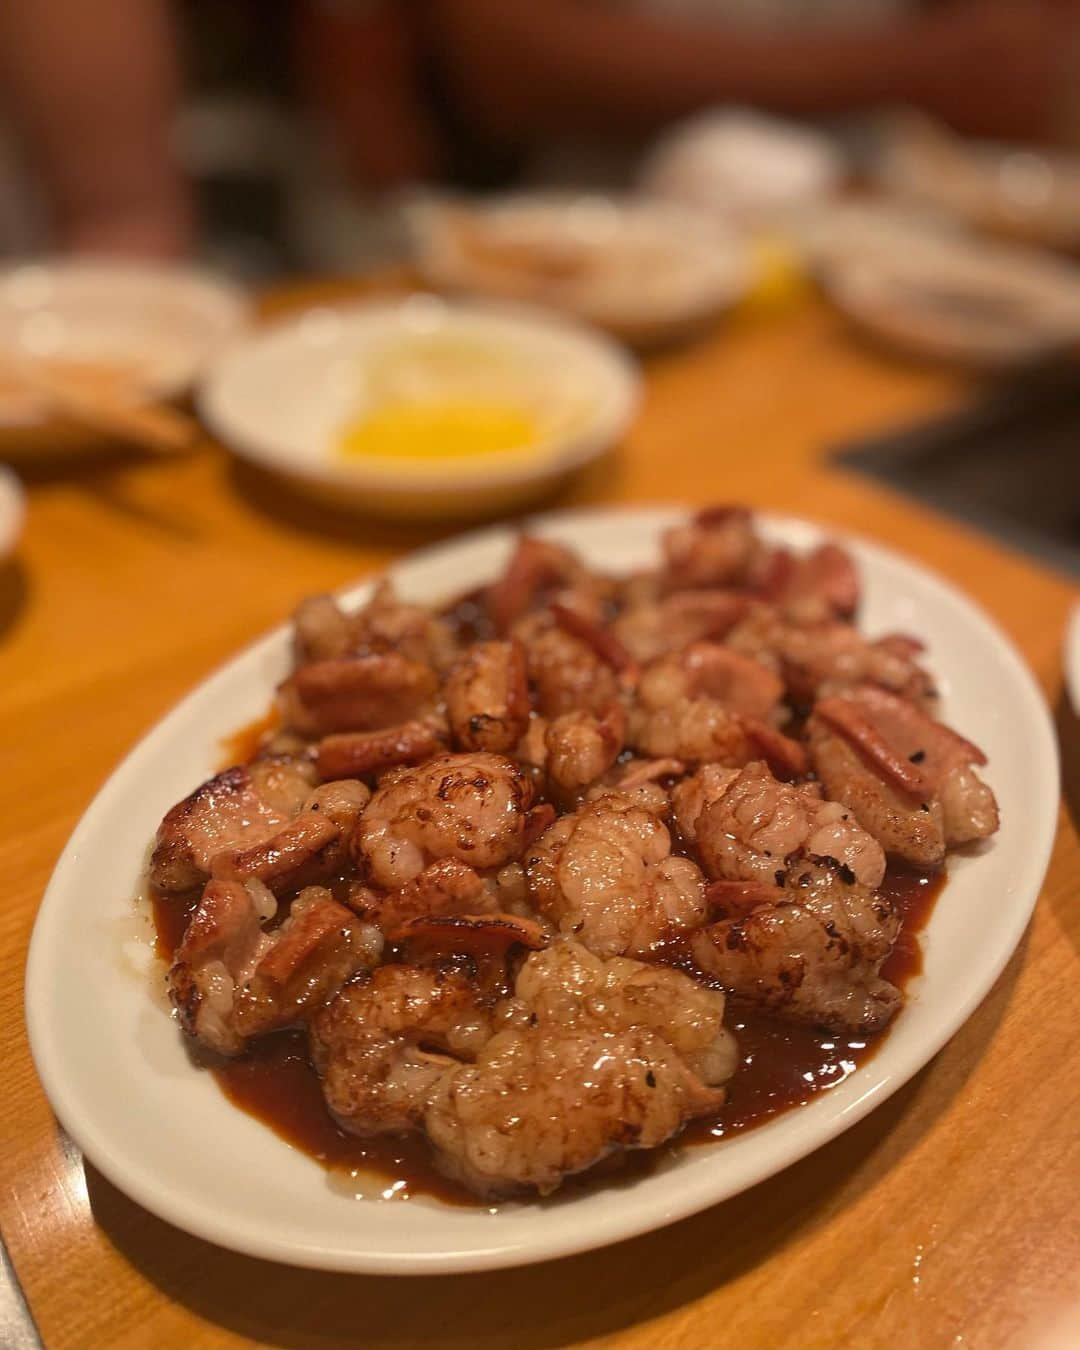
949	1217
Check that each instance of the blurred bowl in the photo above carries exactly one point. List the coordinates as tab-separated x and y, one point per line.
645	272
1072	659
12	512
283	397
1025	193
959	299
139	327
743	166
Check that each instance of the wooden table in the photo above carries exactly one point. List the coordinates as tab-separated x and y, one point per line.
951	1216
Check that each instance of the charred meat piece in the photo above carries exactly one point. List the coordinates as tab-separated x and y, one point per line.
235	809
603	1056
812	956
356	693
749	827
231	979
909	780
606	875
471	807
358	754
383	1044
487	697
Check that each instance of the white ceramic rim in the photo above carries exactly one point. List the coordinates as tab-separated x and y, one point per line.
1072	658
540	463
208	290
720	287
12	511
864	286
687	1189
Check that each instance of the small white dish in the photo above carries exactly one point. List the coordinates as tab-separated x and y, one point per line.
118	1075
957	298
282	397
646	272
12	511
743	166
1072	658
151	327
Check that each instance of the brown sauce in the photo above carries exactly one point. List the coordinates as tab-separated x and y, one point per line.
243	745
783	1066
914	893
275	1082
171	914
467	617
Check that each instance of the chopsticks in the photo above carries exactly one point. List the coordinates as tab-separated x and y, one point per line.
150	426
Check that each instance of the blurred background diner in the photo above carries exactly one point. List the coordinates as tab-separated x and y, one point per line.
276	136
653	168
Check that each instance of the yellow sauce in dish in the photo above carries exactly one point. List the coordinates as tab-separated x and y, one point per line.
442	428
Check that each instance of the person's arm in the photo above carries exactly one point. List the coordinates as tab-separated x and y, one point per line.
359	67
92	89
573	65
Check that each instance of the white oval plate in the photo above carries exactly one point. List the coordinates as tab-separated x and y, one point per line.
116	1070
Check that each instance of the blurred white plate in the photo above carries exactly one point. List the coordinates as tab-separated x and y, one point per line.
1072	659
12	511
157	325
837	230
1025	192
646	272
282	397
118	1075
959	298
743	166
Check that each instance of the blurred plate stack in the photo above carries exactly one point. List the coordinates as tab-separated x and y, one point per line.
1021	192
135	330
645	272
951	296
